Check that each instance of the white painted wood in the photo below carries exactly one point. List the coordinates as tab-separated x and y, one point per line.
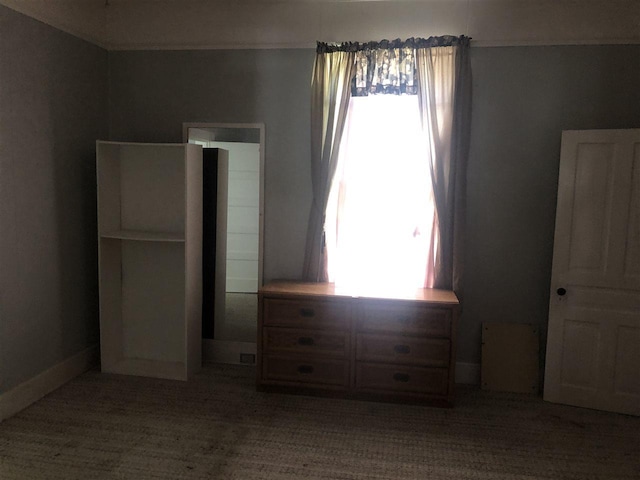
144	367
29	392
110	293
142	236
222	238
108	177
593	340
193	258
153	301
152	188
150	258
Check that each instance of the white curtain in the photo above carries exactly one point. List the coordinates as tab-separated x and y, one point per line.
330	93
444	92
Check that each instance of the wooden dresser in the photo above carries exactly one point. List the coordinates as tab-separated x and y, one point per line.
314	338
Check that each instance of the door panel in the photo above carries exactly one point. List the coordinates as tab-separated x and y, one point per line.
579	339
592	207
632	258
627	372
593	342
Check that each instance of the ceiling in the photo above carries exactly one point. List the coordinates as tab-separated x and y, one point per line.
206	24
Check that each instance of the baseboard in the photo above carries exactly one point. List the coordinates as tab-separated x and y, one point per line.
20	397
214	351
468	373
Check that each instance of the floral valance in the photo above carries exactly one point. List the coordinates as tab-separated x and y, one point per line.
388	66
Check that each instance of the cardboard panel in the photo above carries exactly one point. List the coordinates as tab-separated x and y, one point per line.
510	357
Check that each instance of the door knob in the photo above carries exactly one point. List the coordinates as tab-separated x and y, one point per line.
561	291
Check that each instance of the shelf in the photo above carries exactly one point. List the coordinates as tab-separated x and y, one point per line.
143	236
150	267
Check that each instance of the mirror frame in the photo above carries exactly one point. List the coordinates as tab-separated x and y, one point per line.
260	126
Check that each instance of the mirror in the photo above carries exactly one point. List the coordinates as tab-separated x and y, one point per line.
234	331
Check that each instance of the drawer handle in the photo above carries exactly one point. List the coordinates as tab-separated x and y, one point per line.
305	369
307	312
305	341
402	349
401	377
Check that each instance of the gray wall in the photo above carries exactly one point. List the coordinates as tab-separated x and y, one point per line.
53	106
523	98
153	92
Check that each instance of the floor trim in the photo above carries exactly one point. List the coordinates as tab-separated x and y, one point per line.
214	351
29	392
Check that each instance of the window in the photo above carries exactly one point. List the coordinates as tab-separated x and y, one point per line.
380	214
379	162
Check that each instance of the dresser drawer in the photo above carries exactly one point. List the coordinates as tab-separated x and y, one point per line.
395	378
305	371
307	313
404	318
406	350
307	342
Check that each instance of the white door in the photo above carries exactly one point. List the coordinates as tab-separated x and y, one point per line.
593	342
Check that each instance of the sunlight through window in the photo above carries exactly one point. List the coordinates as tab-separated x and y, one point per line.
379	219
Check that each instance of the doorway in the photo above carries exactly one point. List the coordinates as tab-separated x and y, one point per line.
235	322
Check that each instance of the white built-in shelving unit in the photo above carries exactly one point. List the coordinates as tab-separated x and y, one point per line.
150	258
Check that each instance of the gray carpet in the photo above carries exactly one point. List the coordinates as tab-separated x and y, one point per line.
217	426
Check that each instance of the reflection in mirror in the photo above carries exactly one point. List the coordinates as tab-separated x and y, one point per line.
235	321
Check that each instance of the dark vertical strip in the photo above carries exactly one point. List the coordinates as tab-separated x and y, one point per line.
209	195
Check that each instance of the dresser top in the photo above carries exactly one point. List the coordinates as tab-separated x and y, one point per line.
288	288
